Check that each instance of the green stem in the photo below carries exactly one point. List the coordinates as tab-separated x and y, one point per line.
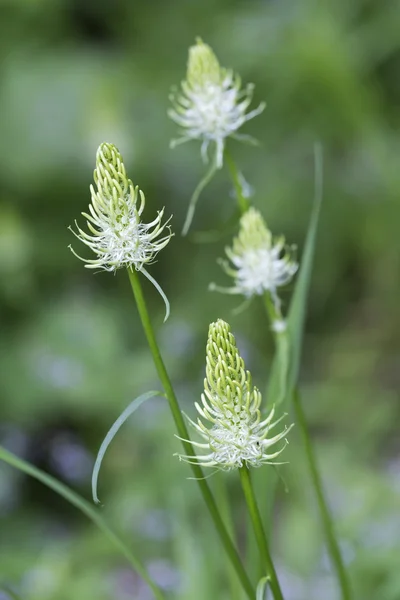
183	433
222	498
196	194
243	202
259	531
85	507
326	518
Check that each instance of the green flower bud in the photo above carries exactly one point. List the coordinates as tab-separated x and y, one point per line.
237	435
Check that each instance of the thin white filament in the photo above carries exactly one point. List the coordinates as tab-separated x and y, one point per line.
159	290
134	405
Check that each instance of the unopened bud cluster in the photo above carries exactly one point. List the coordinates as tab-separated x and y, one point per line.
230	421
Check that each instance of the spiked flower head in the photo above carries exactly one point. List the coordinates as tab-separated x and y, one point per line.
260	263
237	435
116	233
211	106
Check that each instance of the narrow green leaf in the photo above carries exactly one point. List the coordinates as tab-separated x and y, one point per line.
133	406
160	291
85	507
297	310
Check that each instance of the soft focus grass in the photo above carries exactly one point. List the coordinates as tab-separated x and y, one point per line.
72	353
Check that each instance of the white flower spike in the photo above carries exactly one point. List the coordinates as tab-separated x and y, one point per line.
211	105
238	435
260	263
116	234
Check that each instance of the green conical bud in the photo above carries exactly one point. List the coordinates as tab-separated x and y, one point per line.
237	435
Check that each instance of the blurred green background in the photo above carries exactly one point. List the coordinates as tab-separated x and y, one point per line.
75	73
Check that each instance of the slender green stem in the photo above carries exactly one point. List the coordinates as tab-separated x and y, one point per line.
243	202
326	518
183	433
196	194
259	532
85	507
222	498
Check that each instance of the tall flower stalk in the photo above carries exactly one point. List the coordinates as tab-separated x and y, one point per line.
238	437
260	535
119	239
184	435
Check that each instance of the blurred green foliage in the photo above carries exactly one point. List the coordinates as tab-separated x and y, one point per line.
72	353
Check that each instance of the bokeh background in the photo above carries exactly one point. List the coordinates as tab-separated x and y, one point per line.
75	73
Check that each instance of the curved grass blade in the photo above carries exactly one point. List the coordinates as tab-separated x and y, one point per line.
297	310
133	406
159	290
86	508
295	322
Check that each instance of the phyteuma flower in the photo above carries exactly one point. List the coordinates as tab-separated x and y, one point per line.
260	263
211	105
116	233
237	434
